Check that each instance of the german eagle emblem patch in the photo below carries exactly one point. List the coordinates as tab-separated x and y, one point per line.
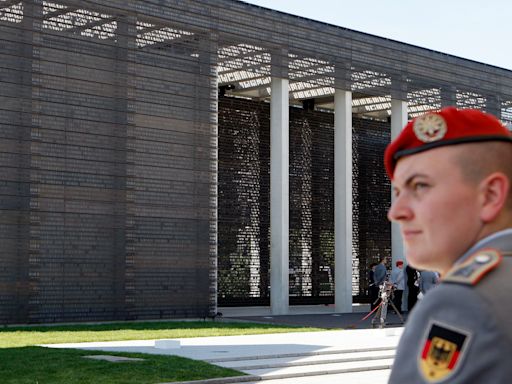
442	352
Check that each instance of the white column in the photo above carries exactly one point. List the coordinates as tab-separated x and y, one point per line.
279	197
398	121
343	201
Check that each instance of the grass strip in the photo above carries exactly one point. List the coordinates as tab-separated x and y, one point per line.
37	365
26	336
23	362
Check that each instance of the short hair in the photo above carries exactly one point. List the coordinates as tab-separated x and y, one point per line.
492	156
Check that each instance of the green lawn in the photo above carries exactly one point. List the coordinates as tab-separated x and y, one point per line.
37	365
22	362
27	336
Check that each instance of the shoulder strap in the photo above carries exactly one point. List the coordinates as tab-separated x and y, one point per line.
495	290
472	270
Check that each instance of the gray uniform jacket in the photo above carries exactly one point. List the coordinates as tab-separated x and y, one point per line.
461	332
428	280
380	274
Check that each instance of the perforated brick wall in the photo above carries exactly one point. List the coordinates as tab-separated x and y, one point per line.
244	212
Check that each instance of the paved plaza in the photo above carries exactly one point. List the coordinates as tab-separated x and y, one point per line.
351	356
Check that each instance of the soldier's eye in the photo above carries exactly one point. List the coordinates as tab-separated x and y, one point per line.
419	186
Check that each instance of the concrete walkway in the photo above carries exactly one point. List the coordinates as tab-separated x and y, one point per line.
352	356
351	352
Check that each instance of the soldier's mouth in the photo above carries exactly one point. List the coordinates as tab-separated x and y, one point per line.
408	234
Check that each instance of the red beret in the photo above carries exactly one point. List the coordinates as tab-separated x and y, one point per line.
449	126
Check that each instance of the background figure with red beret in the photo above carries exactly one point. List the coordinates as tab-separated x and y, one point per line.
397	279
451	173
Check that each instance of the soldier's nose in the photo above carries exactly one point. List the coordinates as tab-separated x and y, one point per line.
399	210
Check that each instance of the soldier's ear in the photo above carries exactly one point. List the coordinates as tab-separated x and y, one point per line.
494	190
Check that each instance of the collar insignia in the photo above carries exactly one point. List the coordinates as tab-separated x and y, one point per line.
442	352
430	127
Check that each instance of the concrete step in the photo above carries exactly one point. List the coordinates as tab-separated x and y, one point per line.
325	351
303	360
363	377
351	365
320	369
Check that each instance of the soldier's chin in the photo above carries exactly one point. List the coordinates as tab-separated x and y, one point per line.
416	261
414	265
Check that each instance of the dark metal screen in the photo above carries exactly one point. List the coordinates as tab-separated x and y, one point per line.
371	201
106	154
311	206
244	215
244	202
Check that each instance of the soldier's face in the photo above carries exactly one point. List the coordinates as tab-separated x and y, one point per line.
437	210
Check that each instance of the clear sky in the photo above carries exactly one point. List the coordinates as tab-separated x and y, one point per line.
479	30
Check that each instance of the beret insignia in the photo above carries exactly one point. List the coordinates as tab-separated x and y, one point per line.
430	127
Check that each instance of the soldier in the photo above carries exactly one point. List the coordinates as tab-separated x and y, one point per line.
451	173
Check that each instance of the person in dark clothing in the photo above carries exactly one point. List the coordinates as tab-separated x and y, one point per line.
412	283
372	287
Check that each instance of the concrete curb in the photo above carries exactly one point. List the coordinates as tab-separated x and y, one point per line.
298	354
220	380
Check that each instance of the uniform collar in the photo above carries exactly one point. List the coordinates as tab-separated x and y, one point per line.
500	240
